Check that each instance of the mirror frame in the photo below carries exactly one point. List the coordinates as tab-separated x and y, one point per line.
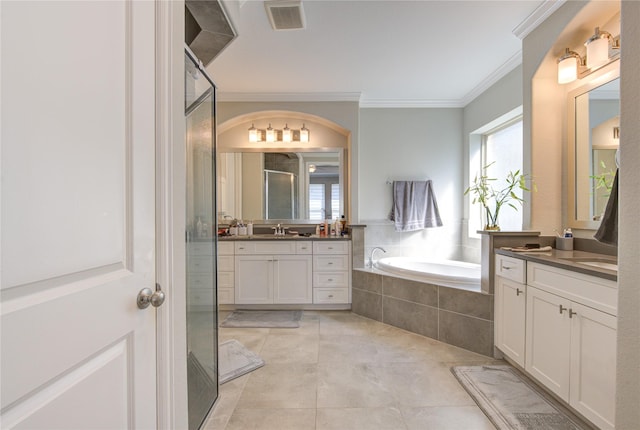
609	73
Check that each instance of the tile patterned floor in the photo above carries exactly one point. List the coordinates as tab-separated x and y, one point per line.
341	371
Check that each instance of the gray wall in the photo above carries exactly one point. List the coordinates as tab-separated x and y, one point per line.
411	144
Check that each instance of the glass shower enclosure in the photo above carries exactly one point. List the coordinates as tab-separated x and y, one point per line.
201	243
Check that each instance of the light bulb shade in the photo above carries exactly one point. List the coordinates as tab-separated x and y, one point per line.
597	52
253	134
567	70
271	134
304	134
286	134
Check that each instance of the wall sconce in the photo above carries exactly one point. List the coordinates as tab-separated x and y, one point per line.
598	48
312	168
271	134
616	133
572	66
568	66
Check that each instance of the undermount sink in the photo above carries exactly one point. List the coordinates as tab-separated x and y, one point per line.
602	263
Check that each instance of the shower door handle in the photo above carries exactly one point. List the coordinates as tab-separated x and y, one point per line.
147	297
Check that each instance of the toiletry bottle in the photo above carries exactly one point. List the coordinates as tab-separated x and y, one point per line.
250	228
343	224
318	230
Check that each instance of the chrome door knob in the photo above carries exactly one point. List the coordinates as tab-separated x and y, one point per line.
147	297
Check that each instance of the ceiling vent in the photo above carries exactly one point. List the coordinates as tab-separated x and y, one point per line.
285	15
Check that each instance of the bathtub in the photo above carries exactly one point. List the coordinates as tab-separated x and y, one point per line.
448	273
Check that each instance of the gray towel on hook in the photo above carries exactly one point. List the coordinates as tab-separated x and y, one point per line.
608	231
414	206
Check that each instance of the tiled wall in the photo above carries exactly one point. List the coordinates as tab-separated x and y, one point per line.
457	317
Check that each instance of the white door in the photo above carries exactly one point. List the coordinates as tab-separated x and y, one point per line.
510	318
292	279
548	340
254	279
593	366
78	215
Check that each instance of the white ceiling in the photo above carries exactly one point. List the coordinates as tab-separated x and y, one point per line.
382	52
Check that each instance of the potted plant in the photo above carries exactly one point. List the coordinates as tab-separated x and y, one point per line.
493	199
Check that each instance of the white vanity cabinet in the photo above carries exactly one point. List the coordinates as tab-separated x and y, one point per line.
331	272
571	338
510	307
200	273
273	272
226	273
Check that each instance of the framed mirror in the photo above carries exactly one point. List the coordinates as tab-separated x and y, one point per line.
280	186
593	141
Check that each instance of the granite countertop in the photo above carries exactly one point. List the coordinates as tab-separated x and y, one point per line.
562	260
286	237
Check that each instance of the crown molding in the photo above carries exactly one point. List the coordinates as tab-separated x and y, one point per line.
390	103
541	13
494	77
222	96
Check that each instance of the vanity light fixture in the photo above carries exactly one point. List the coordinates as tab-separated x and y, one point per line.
568	66
271	134
304	134
572	66
253	134
598	48
312	168
616	133
286	135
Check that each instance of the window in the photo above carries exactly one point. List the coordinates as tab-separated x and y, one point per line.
501	150
316	202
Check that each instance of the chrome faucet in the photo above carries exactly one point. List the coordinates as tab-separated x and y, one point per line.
371	255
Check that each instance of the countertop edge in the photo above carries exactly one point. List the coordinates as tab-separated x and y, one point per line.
555	258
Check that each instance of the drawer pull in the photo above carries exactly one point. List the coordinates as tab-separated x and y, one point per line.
562	308
331	296
519	291
506	268
330	280
241	247
572	313
329	263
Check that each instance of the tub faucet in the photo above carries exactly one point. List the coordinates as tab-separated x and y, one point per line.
371	255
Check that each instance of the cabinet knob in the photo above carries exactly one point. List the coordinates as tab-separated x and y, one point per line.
330	280
519	291
562	308
572	313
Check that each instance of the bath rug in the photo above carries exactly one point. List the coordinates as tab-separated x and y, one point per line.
235	360
511	402
263	319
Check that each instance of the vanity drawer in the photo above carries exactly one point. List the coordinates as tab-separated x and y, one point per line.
330	295
226	263
331	279
226	296
330	247
597	293
200	248
200	281
304	248
200	264
225	248
226	279
330	263
201	297
511	268
270	247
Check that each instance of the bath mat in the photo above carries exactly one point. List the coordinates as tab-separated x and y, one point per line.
234	360
263	319
511	402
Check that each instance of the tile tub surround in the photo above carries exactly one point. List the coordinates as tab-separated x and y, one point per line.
457	317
